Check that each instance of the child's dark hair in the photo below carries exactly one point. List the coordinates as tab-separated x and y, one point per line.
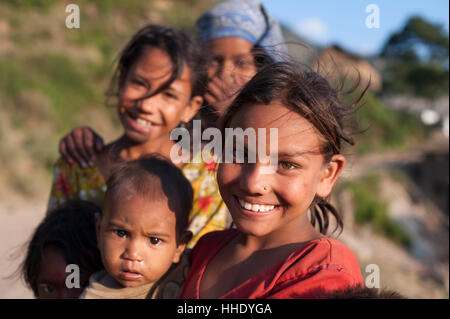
176	43
351	292
311	96
71	229
361	292
154	177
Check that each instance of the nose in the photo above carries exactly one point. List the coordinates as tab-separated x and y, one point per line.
147	104
133	251
228	69
253	180
222	69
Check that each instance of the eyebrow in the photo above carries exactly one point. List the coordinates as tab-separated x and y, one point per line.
298	153
149	234
113	223
243	55
156	234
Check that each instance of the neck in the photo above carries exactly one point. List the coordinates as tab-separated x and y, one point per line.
298	231
129	150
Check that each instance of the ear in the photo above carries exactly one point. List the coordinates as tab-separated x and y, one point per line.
192	108
183	241
330	174
98	220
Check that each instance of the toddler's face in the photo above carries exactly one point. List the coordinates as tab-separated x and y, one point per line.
51	282
137	239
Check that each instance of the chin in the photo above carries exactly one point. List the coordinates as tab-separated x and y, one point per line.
250	228
130	284
136	138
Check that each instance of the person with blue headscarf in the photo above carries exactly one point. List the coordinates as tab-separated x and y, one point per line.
241	37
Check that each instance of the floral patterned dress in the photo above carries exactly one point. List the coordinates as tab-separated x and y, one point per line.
209	212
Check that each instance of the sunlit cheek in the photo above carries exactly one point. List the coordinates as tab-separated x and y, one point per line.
298	195
112	249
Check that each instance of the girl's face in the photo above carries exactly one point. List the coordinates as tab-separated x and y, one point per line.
137	239
262	204
231	55
154	117
51	281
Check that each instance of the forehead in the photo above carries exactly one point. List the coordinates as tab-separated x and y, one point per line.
155	64
139	211
294	131
229	46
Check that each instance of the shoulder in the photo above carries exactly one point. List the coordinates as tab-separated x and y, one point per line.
325	255
332	251
315	269
71	181
170	285
62	166
96	286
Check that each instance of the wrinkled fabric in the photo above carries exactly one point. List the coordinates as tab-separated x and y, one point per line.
316	269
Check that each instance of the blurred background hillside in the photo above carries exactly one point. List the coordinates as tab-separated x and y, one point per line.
394	194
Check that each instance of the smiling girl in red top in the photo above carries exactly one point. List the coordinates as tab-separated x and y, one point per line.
279	248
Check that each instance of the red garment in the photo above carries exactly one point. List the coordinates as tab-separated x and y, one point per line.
315	269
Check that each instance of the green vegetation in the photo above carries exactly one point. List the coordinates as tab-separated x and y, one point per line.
369	209
31	4
380	128
55	76
417	59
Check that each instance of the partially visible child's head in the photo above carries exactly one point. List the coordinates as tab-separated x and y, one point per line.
143	228
241	34
66	236
240	38
159	82
308	115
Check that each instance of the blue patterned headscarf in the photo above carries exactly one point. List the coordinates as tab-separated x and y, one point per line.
245	19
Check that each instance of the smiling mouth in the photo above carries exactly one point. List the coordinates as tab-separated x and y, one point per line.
139	121
255	208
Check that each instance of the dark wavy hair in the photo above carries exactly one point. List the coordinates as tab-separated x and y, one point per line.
181	49
310	95
70	229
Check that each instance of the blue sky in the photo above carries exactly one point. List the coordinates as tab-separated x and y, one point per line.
343	22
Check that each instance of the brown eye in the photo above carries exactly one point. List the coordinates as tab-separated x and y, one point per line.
120	233
137	82
155	241
47	289
243	64
170	95
286	165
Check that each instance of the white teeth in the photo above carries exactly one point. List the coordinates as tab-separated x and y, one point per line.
256	207
142	122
